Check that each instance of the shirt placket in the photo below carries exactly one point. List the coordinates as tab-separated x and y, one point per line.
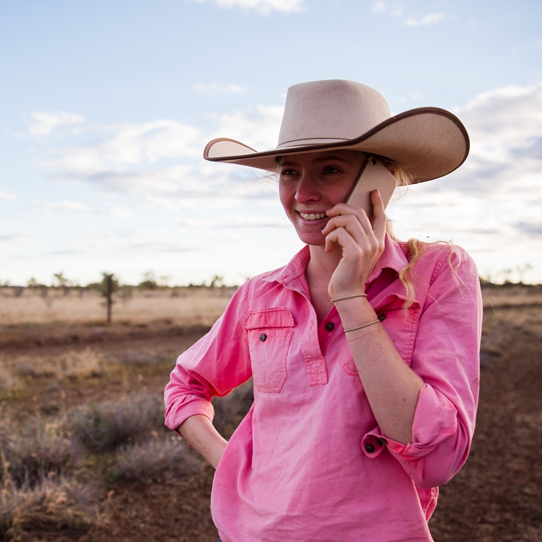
310	345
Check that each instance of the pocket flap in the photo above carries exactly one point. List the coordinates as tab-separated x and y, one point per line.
268	318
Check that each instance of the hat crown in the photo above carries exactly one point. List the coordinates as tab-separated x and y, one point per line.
330	111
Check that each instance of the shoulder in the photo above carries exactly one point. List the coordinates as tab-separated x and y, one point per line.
438	257
439	267
259	285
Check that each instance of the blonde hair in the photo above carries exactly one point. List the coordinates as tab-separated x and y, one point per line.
415	248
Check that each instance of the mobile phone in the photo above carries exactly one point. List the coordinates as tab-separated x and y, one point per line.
373	176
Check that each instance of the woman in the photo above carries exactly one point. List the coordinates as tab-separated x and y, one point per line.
363	350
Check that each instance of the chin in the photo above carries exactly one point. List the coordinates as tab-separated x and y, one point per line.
313	240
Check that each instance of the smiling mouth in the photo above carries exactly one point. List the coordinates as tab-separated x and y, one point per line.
312	216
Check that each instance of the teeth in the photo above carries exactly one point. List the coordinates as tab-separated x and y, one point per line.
312	216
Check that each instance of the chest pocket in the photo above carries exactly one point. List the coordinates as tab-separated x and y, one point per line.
269	335
401	325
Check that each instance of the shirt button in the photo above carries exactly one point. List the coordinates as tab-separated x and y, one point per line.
369	448
330	326
381	441
263	336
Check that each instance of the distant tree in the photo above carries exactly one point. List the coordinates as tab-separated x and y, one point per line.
61	280
217	282
149	281
107	287
33	283
164	281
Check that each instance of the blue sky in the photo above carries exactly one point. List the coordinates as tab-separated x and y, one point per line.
105	108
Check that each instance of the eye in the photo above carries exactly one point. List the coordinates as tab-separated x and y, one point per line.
288	172
331	170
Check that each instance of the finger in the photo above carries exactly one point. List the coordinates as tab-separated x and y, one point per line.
357	225
340	237
345	209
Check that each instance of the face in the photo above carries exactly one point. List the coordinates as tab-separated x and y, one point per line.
310	184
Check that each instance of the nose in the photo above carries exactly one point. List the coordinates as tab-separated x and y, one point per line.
307	189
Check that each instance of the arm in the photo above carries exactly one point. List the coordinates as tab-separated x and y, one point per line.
392	388
214	366
202	435
427	412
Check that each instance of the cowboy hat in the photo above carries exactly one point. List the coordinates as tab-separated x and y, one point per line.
427	142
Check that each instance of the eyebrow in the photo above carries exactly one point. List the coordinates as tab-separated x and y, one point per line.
318	160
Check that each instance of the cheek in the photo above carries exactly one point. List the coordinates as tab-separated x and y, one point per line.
339	193
286	196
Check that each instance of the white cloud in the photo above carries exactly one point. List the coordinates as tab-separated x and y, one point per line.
130	144
45	122
397	9
505	127
9	197
258	127
81	208
133	158
213	88
378	6
265	7
431	18
66	206
14	238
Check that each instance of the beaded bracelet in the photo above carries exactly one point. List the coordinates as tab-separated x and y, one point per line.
380	319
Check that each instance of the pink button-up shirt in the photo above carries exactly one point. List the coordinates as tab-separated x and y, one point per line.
309	462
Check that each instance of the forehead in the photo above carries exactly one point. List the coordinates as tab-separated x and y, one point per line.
341	155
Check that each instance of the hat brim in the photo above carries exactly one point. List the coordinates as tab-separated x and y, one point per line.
427	142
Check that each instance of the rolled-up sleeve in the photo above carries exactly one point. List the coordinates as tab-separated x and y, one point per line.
446	357
214	366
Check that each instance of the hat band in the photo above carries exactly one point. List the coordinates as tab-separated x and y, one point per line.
310	141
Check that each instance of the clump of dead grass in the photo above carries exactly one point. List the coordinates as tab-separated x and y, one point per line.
38	451
141	359
70	365
8	381
107	426
154	460
50	506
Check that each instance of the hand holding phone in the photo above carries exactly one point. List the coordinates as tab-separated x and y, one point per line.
373	176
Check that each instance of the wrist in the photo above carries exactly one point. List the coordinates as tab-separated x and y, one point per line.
354	311
345	297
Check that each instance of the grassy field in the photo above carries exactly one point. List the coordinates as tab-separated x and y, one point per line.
84	454
183	306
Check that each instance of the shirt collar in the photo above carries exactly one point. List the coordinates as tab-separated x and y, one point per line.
293	270
393	257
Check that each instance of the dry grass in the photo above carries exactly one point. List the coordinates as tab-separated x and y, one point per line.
510	296
36	452
8	380
108	425
155	459
50	507
182	306
179	306
72	365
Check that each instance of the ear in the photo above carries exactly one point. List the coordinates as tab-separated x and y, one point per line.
392	169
